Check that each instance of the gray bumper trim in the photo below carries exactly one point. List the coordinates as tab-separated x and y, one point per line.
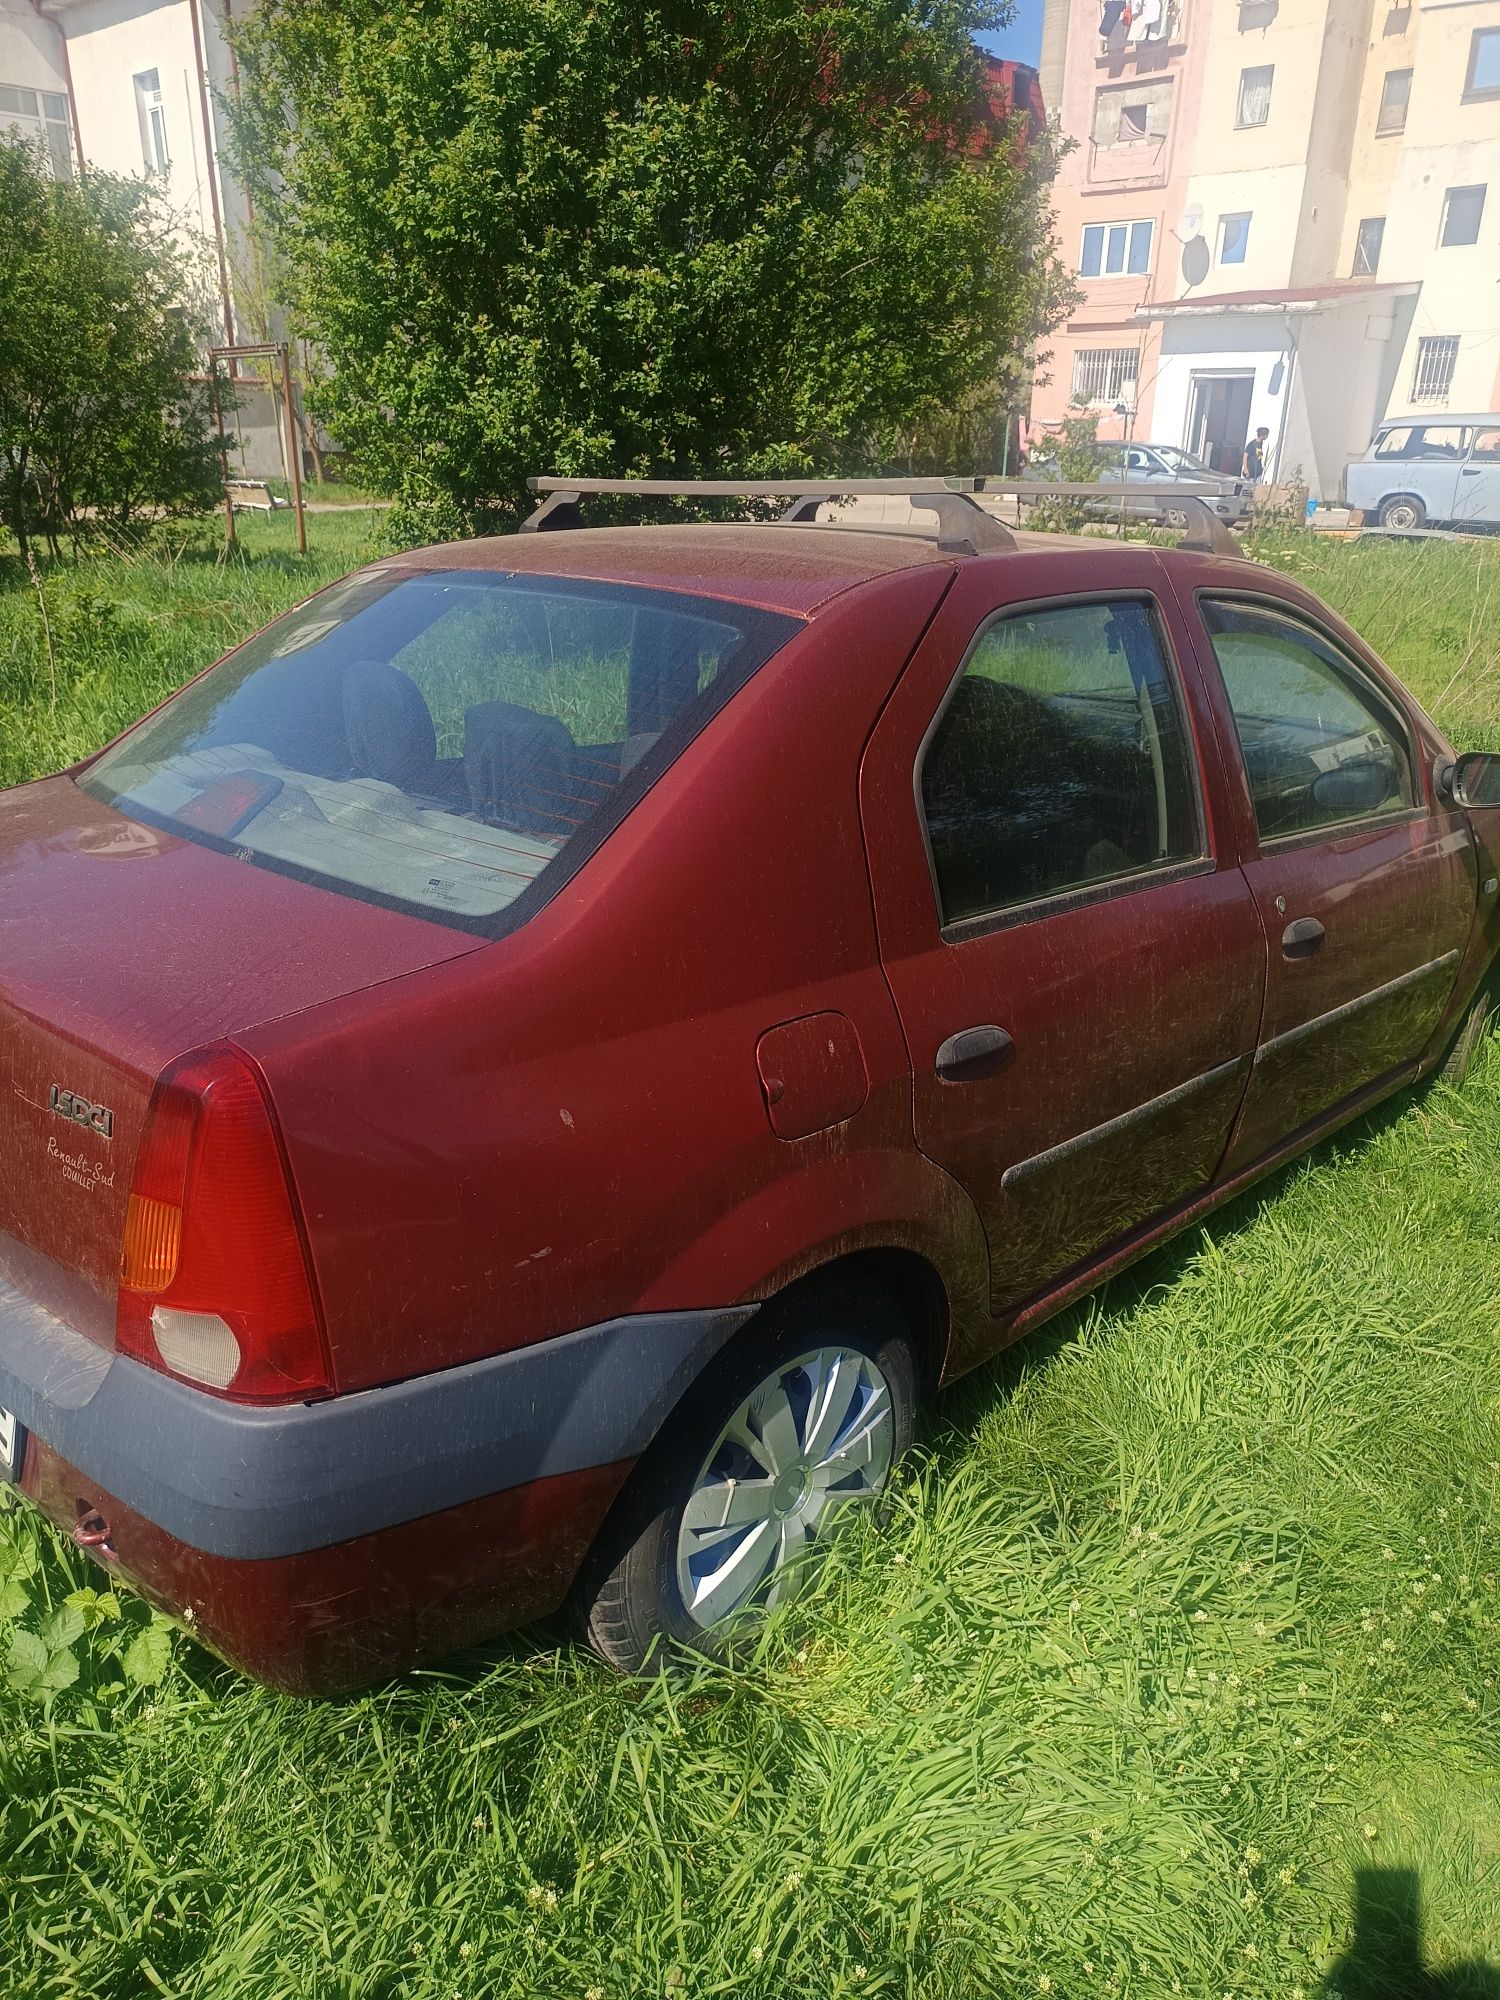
243	1482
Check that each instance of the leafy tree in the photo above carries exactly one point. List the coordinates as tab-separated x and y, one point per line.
595	237
97	420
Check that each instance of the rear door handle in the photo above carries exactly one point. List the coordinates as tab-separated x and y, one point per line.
973	1053
1302	938
1472	471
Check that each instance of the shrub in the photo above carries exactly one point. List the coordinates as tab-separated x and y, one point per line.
98	421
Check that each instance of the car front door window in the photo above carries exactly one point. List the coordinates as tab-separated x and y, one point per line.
1364	889
1320	746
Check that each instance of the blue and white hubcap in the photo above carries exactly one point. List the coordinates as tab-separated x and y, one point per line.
805	1449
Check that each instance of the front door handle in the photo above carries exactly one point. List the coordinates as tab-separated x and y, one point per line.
1302	938
973	1053
1472	471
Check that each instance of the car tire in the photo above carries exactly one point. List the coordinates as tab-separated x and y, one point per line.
1175	517
1403	510
1482	1017
655	1576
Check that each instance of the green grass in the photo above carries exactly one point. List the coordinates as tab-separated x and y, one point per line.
1185	1619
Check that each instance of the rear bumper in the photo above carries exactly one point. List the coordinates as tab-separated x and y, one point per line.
205	1499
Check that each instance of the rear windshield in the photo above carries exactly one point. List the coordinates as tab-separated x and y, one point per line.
447	742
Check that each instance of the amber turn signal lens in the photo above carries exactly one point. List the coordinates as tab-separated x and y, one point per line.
153	1237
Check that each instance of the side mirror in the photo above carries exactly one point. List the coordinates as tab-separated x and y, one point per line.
1476	779
1352	789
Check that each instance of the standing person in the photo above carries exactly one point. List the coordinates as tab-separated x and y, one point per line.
1254	468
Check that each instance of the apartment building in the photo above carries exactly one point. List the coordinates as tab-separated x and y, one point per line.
1282	213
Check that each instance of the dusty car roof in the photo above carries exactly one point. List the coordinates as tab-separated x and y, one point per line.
791	569
777	567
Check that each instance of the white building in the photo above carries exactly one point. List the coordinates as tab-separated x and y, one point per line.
139	87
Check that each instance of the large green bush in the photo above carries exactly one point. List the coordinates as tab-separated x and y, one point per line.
534	235
98	422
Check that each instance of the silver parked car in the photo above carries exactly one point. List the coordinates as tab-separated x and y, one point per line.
1430	469
1155	465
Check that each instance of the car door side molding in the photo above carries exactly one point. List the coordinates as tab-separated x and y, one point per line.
1320	1023
1140	1114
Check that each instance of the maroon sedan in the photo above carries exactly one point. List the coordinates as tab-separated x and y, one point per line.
517	1080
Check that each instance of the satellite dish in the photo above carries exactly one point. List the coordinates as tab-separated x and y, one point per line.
1190	223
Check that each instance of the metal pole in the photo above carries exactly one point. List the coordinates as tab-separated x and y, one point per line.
223	456
294	456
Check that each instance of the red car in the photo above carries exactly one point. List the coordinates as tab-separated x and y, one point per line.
515	1082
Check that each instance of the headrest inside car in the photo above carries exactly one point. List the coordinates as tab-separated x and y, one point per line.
387	723
519	766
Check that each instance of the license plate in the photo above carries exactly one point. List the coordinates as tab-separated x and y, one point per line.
12	1446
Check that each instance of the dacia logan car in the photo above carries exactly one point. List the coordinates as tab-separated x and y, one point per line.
515	1082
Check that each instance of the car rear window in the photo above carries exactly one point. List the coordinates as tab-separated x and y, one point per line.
452	743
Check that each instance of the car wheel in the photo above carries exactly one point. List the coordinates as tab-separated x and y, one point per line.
1484	1011
1402	510
730	1509
1175	517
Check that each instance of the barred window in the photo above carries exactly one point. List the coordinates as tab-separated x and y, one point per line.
1437	356
1102	374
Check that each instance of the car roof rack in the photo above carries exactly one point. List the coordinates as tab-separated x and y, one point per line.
1207	533
964	528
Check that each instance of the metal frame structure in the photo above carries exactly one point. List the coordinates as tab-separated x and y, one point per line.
963	526
280	354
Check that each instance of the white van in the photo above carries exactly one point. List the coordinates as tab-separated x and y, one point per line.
1429	469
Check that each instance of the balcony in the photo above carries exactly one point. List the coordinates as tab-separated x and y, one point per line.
1128	134
1138	36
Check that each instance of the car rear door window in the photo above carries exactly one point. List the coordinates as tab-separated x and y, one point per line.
1060	761
1321	745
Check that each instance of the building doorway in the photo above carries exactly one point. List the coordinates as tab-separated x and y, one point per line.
1219	418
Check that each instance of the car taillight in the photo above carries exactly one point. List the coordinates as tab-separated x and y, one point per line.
214	1278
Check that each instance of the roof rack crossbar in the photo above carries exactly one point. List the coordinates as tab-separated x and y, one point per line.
963	526
1207	532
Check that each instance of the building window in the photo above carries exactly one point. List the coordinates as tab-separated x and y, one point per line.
1116	249
1463	209
1483	79
1367	246
1395	95
1132	114
153	117
1234	238
1104	374
1255	95
1437	356
32	115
